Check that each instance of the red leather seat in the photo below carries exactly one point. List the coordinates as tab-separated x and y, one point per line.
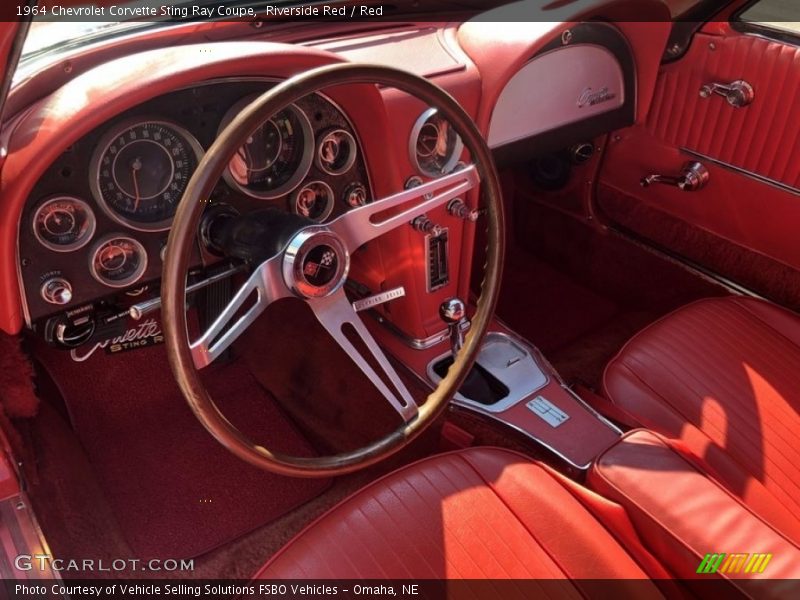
476	513
723	377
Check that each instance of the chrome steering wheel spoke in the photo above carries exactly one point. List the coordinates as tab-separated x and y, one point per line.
359	226
335	312
267	284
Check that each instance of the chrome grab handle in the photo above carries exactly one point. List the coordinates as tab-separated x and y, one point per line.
738	94
694	177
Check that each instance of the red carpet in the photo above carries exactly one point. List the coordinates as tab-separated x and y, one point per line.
175	492
546	306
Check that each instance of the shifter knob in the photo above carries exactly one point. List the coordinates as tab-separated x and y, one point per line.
453	312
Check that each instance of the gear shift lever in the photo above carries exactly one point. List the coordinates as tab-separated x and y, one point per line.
453	312
479	386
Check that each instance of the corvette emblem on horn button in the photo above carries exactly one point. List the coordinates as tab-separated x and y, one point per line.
320	265
316	263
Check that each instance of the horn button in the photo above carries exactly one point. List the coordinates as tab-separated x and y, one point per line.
316	263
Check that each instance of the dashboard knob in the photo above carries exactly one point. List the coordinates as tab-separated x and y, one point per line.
424	225
57	290
458	208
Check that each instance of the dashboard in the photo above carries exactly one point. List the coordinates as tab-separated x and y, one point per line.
97	221
99	158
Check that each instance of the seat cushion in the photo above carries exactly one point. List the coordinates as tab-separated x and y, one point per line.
683	515
723	376
477	513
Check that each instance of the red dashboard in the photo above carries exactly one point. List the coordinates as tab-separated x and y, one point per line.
74	212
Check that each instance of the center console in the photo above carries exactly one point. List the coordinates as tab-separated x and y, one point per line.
513	386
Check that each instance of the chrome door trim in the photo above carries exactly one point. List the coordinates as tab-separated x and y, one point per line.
752	175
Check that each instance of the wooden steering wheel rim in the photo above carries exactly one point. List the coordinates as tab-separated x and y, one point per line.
184	231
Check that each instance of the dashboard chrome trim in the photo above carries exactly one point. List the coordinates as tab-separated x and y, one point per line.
416	343
751	174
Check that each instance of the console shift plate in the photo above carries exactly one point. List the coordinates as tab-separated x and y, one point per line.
508	360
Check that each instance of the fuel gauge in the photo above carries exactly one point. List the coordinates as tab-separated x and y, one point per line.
118	261
64	223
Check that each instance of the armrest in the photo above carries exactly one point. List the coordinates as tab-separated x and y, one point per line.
683	515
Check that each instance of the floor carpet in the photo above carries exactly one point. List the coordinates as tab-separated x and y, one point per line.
174	491
547	306
579	292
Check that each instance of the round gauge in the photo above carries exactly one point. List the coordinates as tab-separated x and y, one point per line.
314	201
64	223
355	194
118	261
140	171
336	152
434	147
275	158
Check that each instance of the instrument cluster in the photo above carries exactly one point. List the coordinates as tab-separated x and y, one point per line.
97	222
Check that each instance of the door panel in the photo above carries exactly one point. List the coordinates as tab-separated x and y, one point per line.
760	138
750	210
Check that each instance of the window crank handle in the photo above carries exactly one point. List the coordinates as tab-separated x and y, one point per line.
693	177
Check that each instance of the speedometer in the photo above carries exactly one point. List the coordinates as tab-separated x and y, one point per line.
140	171
274	158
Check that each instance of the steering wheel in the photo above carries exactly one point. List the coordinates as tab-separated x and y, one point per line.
290	267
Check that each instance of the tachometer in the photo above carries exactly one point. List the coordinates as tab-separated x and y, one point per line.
140	171
64	223
276	157
118	261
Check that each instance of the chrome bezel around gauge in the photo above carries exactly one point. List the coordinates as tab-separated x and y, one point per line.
452	160
306	159
331	201
351	156
131	279
78	243
103	146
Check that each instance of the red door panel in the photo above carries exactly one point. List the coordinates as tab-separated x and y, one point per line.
762	138
747	218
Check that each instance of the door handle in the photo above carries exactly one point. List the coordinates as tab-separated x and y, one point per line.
738	94
693	177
